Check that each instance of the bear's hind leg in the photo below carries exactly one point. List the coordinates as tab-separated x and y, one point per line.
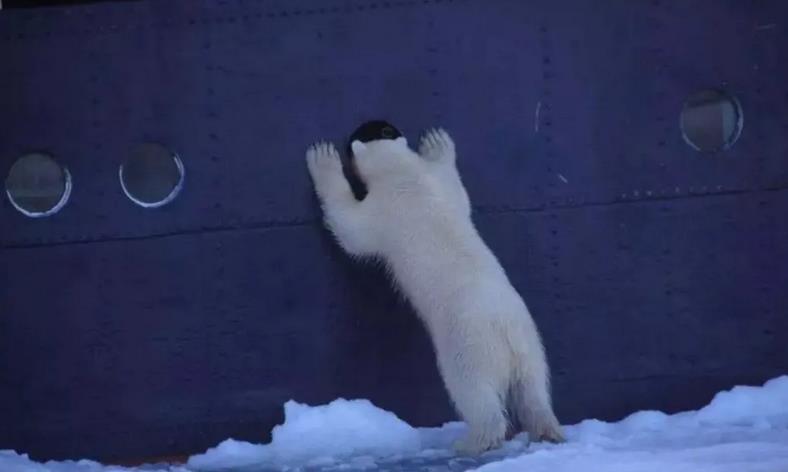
531	399
478	399
482	410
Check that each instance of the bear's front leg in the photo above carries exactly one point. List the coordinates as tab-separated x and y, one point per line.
437	150
437	146
343	214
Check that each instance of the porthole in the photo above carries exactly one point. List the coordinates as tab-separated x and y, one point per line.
711	120
37	185
152	176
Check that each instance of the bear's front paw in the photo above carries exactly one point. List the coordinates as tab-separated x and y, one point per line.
322	158
435	145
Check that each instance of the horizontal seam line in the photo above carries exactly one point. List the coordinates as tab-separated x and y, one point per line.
480	210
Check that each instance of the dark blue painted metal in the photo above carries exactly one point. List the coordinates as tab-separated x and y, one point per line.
656	274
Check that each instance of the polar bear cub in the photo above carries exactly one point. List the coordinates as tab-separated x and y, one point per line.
416	218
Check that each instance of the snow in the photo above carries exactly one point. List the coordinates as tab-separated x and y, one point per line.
744	429
342	428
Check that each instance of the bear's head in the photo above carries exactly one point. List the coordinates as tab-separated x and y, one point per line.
382	158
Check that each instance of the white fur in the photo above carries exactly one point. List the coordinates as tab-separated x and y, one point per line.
416	217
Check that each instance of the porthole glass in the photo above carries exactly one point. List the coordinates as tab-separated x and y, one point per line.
37	185
152	176
711	120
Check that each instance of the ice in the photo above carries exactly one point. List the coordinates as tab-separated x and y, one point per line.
744	429
10	461
750	405
343	428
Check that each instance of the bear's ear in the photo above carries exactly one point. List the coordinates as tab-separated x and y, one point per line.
358	147
402	141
